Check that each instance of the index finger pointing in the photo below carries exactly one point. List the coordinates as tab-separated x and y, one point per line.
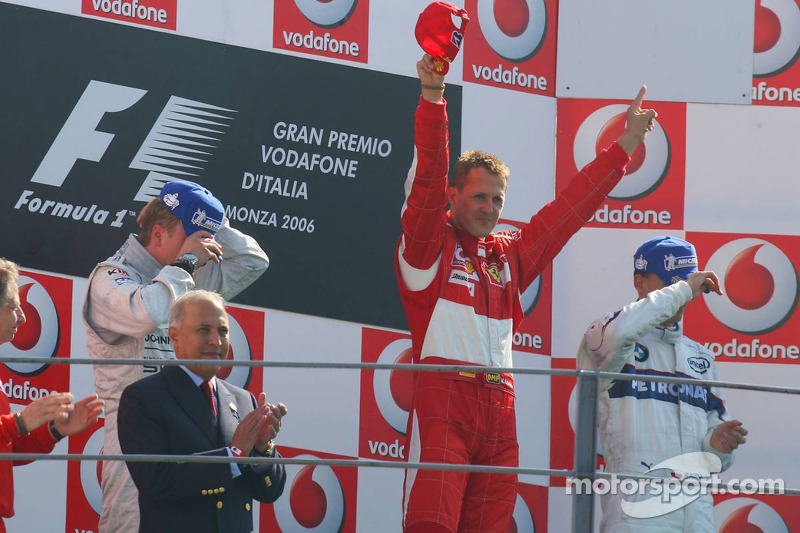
637	102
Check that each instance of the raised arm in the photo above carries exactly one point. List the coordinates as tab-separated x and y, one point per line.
423	214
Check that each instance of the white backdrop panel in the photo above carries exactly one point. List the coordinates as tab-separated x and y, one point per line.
323	404
40	502
604	48
593	275
533	415
771	448
520	129
380	499
392	45
741	169
238	22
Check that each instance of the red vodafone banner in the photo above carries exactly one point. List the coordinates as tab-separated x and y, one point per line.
386	395
329	28
84	496
316	497
156	13
652	191
46	302
756	320
776	72
512	44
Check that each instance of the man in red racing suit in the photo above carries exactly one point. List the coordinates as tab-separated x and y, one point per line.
460	286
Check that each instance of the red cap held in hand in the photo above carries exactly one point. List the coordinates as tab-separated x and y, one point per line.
438	35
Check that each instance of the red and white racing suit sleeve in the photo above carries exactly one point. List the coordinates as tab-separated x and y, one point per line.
609	343
423	215
540	240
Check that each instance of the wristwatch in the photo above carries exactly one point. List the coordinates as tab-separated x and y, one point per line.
188	262
236	452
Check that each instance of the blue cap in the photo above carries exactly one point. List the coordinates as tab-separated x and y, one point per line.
669	258
194	205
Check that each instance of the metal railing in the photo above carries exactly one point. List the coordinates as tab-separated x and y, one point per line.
588	382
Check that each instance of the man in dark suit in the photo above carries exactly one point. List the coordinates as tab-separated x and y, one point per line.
175	412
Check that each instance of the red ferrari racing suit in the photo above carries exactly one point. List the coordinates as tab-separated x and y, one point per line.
461	297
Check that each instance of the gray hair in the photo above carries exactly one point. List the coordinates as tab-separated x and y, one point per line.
9	274
178	309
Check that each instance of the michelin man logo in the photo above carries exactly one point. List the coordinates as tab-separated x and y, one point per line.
171	200
201	219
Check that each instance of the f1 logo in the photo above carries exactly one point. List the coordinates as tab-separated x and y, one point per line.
80	139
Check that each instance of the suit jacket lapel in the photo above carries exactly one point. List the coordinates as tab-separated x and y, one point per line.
191	400
230	413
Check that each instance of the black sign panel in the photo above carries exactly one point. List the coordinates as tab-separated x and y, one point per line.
308	157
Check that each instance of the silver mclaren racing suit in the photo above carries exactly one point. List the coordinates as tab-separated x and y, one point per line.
643	423
125	315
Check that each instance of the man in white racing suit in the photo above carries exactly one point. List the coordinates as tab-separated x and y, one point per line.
646	426
185	243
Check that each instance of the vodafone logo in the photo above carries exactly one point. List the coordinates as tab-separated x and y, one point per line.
514	29
522	519
394	389
777	37
649	164
326	13
90	471
316	500
38	336
530	296
747	514
759	284
239	351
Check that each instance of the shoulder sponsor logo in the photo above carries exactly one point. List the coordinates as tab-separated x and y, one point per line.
759	283
315	501
155	13
699	364
640	352
161	154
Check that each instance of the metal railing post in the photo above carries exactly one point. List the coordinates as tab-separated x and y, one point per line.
585	450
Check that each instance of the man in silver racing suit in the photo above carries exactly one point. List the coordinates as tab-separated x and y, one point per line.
185	243
648	427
